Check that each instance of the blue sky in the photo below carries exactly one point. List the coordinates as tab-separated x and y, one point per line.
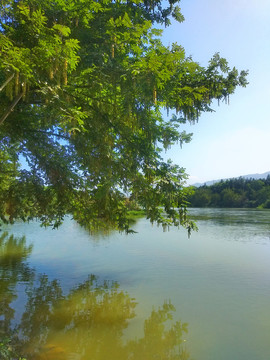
235	139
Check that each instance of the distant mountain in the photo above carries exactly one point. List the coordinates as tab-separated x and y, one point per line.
250	176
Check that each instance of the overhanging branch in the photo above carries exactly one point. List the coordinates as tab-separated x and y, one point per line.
6	82
11	108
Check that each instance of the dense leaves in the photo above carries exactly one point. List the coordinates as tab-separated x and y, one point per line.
83	89
233	193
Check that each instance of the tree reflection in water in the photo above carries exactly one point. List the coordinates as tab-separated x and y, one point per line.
13	269
87	323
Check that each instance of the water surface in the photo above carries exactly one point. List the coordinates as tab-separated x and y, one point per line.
70	295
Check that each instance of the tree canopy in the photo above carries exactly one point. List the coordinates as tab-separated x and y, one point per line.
83	88
233	193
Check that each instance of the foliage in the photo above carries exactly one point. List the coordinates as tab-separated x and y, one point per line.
83	85
234	193
6	350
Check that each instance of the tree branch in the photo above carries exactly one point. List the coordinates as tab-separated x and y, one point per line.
11	108
6	82
49	133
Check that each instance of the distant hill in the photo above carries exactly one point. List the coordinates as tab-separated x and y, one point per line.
249	176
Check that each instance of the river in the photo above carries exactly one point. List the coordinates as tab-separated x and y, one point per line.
150	295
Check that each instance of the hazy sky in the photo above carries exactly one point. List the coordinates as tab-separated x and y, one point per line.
234	140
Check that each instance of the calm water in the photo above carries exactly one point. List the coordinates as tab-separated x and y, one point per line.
151	295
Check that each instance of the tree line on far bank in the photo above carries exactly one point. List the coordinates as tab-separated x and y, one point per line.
233	193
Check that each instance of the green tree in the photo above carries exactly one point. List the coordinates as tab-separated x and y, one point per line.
230	198
237	192
83	87
201	197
